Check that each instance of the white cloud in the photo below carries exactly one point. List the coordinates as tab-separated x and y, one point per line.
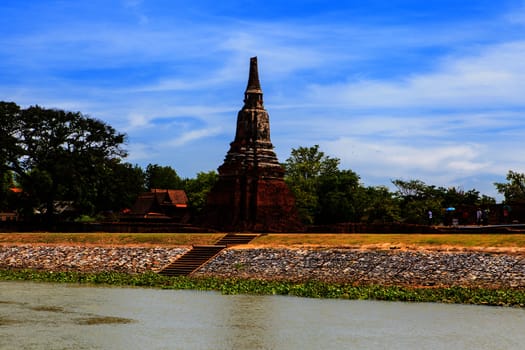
392	160
190	136
137	121
140	152
493	77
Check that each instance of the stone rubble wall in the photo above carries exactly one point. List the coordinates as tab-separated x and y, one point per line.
390	267
87	259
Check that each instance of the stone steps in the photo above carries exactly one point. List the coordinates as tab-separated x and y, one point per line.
234	239
192	260
201	254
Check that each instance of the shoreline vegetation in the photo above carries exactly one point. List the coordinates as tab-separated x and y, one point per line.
308	289
497	243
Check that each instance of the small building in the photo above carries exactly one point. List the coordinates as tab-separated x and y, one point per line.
8	216
11	213
159	204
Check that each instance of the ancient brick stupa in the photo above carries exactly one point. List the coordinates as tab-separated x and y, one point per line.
251	194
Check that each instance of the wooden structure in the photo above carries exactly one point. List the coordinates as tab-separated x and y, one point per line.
159	204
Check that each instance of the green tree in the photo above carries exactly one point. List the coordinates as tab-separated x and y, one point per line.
456	197
9	124
10	121
163	177
197	190
337	197
304	168
514	188
57	155
416	198
413	189
6	195
120	184
486	200
309	163
324	193
378	205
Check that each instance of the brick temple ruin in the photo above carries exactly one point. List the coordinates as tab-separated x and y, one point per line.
251	194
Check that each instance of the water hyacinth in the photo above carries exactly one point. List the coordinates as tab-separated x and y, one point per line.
309	289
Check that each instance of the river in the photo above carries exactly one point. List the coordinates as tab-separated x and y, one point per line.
62	316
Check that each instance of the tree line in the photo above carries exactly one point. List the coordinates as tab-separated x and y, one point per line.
49	156
326	194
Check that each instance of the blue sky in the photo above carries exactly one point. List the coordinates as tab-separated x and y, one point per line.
399	89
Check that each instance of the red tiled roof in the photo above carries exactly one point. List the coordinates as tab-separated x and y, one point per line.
176	197
157	200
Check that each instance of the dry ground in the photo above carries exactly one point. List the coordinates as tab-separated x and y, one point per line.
502	243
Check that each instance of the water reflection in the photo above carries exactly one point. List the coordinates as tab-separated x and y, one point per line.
49	316
249	322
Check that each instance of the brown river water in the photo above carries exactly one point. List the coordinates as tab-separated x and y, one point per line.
62	316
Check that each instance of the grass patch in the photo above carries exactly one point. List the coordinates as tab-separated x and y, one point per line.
432	240
162	239
272	240
309	289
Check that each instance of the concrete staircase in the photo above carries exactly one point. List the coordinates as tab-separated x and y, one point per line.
236	239
191	260
201	254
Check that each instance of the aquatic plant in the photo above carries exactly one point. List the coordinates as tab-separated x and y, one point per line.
309	289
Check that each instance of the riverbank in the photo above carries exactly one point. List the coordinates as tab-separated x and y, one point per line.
479	269
391	266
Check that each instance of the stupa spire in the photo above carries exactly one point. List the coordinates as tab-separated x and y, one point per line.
253	93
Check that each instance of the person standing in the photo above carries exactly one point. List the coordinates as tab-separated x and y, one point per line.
485	217
506	214
429	217
479	216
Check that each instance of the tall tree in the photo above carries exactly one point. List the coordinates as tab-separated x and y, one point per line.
378	205
6	195
57	155
457	197
119	186
304	169
416	198
337	193
327	195
197	190
164	177
514	189
309	163
9	126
